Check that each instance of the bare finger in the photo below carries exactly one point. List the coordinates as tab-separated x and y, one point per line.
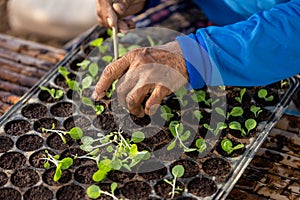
158	94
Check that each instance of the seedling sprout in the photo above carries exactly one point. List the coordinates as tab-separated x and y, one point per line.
177	172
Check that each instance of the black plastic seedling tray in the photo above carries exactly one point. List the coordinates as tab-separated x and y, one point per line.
208	175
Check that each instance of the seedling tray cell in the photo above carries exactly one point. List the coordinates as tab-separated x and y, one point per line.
210	174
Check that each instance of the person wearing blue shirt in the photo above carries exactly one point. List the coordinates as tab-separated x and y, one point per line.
255	42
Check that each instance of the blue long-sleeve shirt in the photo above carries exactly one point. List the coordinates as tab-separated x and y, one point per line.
257	43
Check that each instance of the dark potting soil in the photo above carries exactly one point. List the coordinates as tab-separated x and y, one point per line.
12	160
122	175
74	192
105	122
45	97
5	144
70	152
38	193
202	187
164	189
216	167
61	81
34	111
233	94
36	159
84	173
17	127
136	190
191	168
62	109
262	102
155	137
132	122
24	178
10	194
49	174
78	121
29	142
54	141
3	179
152	169
46	123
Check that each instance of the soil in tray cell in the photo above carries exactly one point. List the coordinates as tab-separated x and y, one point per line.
191	168
12	160
78	121
202	187
233	95
34	111
234	153
164	189
3	178
49	174
46	123
136	190
121	176
24	178
263	102
46	97
84	173
17	127
62	109
216	167
29	142
70	152
152	169
10	194
54	141
61	81
36	159
105	122
74	192
38	193
5	144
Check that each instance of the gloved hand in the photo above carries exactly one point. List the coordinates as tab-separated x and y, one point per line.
157	70
109	11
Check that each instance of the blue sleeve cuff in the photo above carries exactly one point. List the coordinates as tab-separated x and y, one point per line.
196	59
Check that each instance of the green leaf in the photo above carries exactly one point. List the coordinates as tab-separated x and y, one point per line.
234	125
171	145
87	101
172	127
185	136
47	165
58	94
250	124
99	109
109	32
64	72
133	151
201	145
226	145
103	49
113	187
270	98
107	58
199	96
86	148
198	114
137	137
76	133
116	164
97	42
220	126
109	149
236	112
255	110
66	163
151	41
178	171
84	64
132	47
87	82
262	93
220	111
93	69
99	175
57	174
73	85
239	146
93	191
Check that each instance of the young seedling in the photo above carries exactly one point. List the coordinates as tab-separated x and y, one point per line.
97	108
201	145
240	98
220	126
198	115
177	172
55	93
75	132
112	89
227	146
166	113
180	93
99	44
63	164
255	110
200	96
250	124
235	112
151	41
94	191
123	152
263	94
84	64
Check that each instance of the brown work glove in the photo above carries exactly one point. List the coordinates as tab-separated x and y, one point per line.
157	70
109	11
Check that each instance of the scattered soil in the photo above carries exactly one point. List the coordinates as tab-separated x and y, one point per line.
17	127
74	192
79	121
136	190
202	187
38	193
62	109
105	122
24	178
216	167
12	160
122	176
10	194
29	142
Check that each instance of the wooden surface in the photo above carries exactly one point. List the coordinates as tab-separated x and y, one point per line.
22	64
274	172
